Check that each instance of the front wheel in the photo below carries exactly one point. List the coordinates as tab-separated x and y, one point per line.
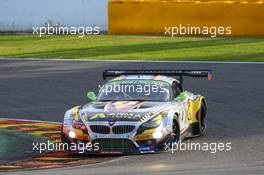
64	138
174	136
176	131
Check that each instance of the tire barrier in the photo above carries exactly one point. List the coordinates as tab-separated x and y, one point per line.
154	16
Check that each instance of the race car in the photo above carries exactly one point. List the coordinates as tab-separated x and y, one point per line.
138	111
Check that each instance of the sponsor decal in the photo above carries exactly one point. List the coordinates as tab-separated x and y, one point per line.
114	116
147	149
111	152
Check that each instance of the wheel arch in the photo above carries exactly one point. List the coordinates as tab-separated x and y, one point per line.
205	104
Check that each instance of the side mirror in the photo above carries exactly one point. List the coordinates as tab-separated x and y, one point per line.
181	96
91	96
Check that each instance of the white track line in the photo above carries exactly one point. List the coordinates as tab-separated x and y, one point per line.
142	61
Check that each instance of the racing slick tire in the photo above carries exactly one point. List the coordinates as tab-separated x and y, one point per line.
201	119
64	138
174	137
198	128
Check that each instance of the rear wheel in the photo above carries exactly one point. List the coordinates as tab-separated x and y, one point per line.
201	119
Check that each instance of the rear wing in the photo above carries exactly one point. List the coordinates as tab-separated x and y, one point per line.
181	73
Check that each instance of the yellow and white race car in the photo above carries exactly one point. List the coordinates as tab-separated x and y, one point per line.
139	111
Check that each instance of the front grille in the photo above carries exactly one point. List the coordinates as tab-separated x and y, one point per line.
123	129
123	145
100	129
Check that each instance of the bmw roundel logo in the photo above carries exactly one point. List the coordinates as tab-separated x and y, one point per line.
111	123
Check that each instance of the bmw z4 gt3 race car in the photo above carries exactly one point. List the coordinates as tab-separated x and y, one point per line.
139	111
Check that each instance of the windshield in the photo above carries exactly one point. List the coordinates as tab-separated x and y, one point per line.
135	90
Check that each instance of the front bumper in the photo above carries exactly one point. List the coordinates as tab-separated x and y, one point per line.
115	145
123	139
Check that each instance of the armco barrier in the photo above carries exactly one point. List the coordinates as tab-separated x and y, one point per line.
152	16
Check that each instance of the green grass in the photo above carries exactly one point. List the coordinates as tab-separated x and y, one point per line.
106	47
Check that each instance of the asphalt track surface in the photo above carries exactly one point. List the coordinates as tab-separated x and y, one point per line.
43	90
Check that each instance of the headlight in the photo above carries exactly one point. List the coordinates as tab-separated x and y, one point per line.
76	120
152	123
157	134
72	134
